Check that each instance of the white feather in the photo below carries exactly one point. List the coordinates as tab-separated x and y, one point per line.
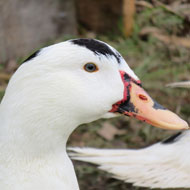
158	166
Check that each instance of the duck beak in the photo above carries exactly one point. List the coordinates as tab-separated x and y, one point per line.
137	103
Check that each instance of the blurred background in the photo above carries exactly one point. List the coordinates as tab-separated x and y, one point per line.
152	35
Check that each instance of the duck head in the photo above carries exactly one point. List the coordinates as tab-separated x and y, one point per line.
86	79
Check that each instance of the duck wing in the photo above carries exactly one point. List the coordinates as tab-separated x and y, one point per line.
163	165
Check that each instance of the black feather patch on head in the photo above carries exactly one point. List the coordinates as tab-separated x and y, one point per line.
35	54
99	48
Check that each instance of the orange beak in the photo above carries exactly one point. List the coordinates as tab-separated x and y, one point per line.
137	103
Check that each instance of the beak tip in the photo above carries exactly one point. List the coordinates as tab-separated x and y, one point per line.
172	121
186	126
183	125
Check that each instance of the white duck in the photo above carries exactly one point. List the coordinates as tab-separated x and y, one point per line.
163	165
54	91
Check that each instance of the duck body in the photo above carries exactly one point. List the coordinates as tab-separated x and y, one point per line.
55	90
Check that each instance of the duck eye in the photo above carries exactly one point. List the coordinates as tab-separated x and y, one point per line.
90	67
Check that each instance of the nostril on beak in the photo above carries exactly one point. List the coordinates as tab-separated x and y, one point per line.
143	97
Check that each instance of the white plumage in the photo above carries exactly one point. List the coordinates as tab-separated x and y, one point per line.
46	99
163	165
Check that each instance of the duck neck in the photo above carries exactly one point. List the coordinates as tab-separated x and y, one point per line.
34	144
34	133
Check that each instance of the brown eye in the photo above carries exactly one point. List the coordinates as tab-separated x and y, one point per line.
90	67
